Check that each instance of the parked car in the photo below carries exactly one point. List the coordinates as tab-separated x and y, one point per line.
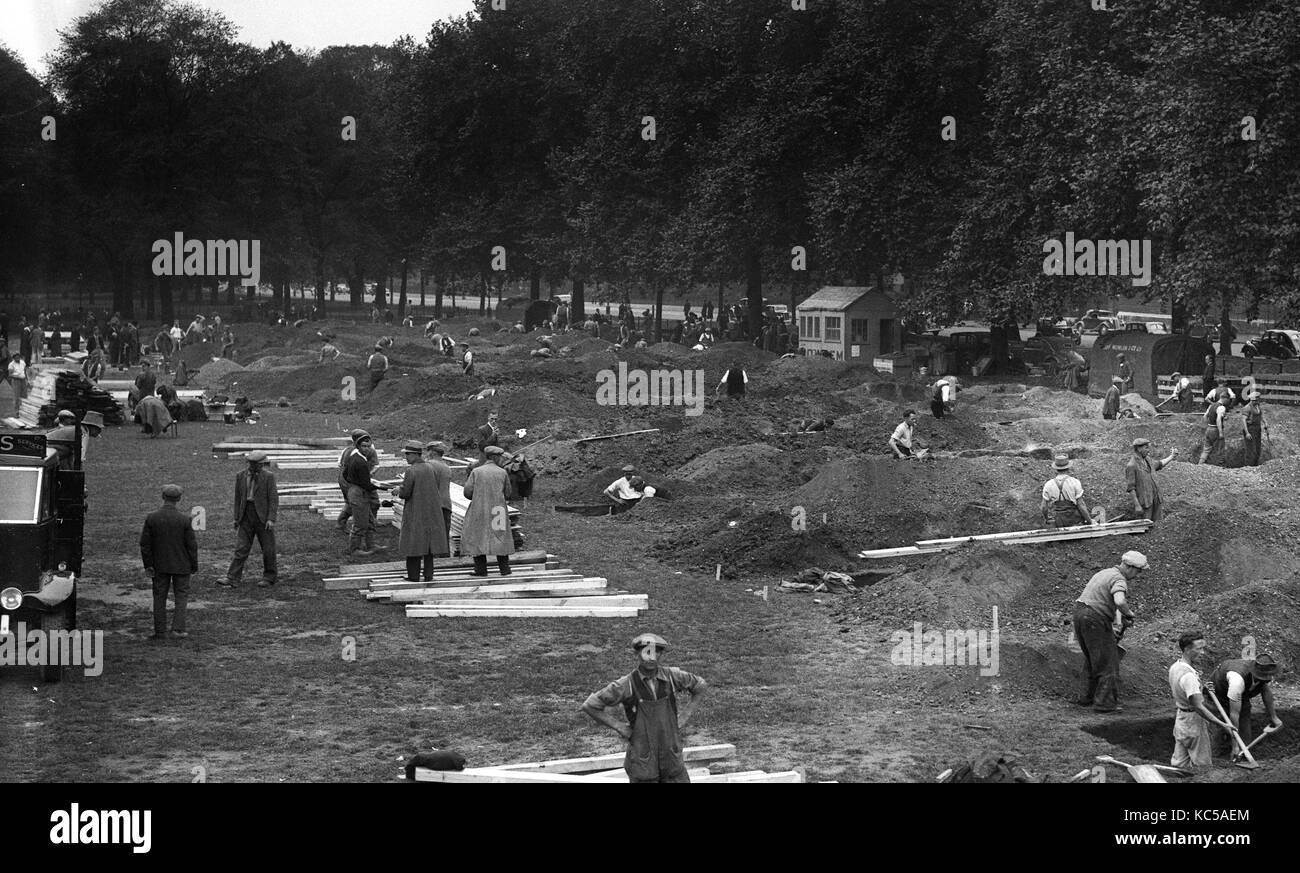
1209	332
1098	321
1157	327
1284	344
1057	327
1138	326
1053	354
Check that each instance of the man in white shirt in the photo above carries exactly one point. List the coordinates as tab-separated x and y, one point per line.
1063	504
1192	742
466	361
942	397
1220	393
18	379
1214	417
735	379
901	440
628	490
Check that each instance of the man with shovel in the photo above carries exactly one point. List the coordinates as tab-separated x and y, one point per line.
1234	684
1192	743
1105	595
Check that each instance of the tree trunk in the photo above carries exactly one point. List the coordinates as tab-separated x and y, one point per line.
401	301
285	299
754	288
422	309
659	312
1225	327
320	282
483	293
357	285
535	285
721	292
439	282
577	303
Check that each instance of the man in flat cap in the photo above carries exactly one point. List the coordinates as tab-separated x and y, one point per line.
377	365
648	696
1252	427
488	434
171	555
433	453
1110	403
257	504
423	533
628	490
1104	597
1235	683
486	528
1140	480
363	499
368	451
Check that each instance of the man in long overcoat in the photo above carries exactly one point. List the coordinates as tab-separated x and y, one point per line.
486	529
442	475
423	532
1140	480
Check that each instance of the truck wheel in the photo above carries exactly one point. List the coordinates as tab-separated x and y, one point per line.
54	621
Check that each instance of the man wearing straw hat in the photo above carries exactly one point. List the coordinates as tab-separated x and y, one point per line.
1063	504
423	533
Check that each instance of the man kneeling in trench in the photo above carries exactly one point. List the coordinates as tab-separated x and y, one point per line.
649	698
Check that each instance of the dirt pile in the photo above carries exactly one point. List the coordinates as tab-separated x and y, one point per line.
214	374
736	467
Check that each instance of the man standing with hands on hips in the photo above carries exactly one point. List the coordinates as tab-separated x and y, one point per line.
648	696
257	502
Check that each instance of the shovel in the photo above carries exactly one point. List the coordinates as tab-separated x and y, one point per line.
1249	763
1142	772
1268	730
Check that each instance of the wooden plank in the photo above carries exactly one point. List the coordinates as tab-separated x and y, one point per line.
1043	535
577	588
529	573
532	556
517	611
1046	531
690	754
620	775
532	604
787	776
496	776
614	436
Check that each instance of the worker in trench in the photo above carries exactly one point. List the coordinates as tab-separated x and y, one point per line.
1063	504
1140	480
1104	597
628	490
1237	681
1192	719
648	696
1110	403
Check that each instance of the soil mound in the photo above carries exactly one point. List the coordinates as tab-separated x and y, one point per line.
745	466
215	373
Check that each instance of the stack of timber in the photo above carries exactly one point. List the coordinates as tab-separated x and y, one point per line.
295	454
601	769
1043	535
49	390
537	587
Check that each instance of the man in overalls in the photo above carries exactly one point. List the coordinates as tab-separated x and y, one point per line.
1063	504
648	696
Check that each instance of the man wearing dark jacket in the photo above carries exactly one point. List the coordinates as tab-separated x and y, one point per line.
257	503
363	499
171	555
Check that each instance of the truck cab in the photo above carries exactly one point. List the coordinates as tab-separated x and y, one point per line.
42	517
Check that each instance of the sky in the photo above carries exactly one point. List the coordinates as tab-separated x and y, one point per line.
30	27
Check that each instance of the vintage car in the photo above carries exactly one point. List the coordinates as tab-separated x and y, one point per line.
1284	344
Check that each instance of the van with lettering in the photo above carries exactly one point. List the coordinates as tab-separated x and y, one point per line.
42	516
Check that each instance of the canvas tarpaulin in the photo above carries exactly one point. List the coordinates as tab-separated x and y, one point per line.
1149	355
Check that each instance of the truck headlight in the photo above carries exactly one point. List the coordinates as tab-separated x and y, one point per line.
11	598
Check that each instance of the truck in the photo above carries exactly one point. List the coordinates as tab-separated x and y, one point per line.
42	519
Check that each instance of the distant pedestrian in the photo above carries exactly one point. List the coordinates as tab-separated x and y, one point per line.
735	379
170	553
17	371
257	503
1124	371
377	365
466	361
1208	380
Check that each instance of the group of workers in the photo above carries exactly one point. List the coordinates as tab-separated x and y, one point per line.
1103	613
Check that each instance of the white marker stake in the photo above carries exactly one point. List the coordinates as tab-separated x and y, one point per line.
717	576
765	594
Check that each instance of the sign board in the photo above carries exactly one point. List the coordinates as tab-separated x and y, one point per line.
27	445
